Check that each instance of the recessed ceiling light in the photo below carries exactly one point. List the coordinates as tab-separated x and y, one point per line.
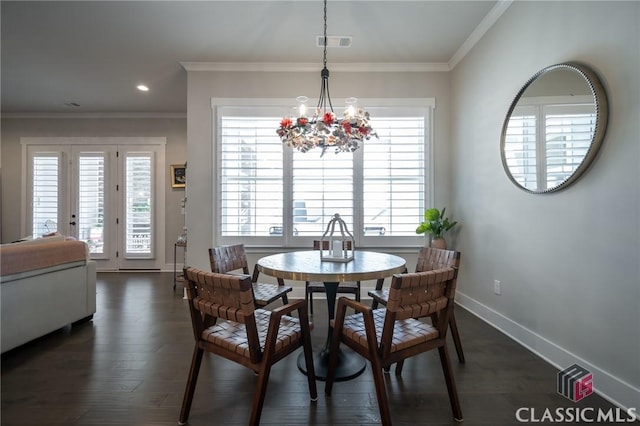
142	88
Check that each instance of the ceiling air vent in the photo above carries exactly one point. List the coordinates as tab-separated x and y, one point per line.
334	41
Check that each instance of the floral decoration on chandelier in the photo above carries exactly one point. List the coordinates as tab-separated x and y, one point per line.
325	130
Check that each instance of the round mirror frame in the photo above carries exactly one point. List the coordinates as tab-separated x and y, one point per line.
602	117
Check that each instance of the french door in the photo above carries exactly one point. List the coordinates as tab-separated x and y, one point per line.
108	193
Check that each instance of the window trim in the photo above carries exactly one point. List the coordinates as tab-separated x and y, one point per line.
372	105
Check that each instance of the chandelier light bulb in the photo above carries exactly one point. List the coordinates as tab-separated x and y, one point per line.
352	106
302	105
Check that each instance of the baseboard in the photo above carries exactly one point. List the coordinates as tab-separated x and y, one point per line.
610	387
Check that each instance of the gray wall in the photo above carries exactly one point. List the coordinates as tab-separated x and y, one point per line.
569	261
174	129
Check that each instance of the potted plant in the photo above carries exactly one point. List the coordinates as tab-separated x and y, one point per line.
435	224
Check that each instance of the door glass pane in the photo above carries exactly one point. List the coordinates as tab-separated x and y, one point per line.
46	171
138	205
90	218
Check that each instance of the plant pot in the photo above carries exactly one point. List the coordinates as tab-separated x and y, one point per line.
439	243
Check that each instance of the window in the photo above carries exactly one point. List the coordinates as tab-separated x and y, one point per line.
520	146
568	132
268	194
564	128
138	177
46	180
91	170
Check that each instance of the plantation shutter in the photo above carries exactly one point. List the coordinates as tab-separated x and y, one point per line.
520	148
568	133
394	177
138	212
269	194
251	179
322	186
91	175
45	200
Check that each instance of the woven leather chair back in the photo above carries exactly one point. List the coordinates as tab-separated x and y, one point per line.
222	296
421	294
225	259
431	258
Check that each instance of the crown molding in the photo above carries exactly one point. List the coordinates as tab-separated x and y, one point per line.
89	115
487	22
476	35
315	67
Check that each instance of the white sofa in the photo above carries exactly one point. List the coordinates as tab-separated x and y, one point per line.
44	285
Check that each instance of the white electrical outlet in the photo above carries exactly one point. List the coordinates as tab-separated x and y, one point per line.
497	288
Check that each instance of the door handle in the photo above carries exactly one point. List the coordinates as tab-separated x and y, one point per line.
72	223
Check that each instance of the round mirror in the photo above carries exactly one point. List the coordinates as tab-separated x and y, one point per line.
554	127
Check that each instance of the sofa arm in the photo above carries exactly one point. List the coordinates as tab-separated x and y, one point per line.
16	258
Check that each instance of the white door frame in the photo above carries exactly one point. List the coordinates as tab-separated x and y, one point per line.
66	144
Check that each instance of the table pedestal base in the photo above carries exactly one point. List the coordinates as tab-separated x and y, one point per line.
350	364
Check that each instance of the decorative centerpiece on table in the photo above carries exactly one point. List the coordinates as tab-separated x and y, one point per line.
340	243
436	224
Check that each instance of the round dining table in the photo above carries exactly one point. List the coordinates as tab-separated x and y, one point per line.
308	266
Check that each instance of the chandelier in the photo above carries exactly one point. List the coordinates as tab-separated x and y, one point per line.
323	128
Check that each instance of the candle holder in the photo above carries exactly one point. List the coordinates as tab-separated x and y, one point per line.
337	246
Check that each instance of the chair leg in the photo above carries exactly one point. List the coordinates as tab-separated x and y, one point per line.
456	337
378	380
399	366
285	299
379	284
451	383
191	385
259	393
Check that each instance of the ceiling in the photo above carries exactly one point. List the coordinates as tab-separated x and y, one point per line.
94	53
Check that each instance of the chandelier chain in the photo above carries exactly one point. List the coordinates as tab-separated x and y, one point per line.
325	96
325	34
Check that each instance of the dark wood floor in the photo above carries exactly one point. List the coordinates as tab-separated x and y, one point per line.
129	367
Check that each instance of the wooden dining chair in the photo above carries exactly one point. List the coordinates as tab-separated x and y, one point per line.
387	336
227	259
226	323
350	287
429	258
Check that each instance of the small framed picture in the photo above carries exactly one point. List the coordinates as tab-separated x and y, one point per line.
178	176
